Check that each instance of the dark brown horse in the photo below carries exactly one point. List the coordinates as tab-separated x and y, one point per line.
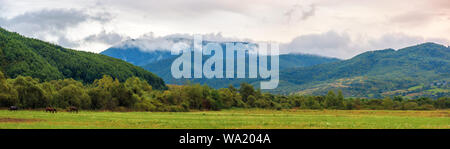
13	108
73	109
50	109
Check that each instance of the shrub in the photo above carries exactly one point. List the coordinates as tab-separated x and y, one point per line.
410	106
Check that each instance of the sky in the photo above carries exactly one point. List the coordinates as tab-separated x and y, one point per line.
334	28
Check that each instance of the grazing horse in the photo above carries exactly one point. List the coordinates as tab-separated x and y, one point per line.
50	109
73	109
13	108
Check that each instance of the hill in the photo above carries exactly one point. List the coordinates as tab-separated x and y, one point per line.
421	70
287	61
24	56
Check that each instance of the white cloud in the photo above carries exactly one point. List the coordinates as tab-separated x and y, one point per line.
149	42
341	45
109	38
353	26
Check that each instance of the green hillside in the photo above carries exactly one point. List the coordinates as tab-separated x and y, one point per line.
287	61
421	70
30	57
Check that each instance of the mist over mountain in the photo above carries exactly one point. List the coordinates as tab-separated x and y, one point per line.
420	70
148	49
159	60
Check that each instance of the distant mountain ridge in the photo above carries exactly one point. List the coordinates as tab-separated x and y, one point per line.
420	70
286	61
144	51
378	73
24	56
161	61
135	56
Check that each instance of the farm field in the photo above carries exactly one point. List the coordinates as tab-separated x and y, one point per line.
228	119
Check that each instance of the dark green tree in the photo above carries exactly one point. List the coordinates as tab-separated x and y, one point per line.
30	95
246	90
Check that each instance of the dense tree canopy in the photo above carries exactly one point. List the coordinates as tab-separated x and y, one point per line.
45	61
108	93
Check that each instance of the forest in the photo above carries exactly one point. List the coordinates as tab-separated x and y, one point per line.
45	61
135	94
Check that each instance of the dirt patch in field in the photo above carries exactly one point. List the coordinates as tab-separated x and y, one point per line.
17	120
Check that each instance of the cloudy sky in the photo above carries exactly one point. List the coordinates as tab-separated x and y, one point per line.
336	28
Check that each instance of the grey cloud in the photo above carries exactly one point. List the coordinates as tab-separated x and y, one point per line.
330	44
64	41
110	38
45	20
102	17
2	21
439	41
414	18
441	4
395	41
148	42
53	22
329	39
424	14
299	12
3	6
400	40
179	8
310	13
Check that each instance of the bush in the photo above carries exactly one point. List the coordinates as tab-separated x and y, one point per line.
442	103
426	107
410	106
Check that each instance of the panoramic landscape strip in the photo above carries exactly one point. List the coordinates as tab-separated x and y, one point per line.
229	119
241	64
54	87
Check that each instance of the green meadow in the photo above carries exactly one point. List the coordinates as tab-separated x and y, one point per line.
229	119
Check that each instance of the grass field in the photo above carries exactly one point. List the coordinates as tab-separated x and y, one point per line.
229	119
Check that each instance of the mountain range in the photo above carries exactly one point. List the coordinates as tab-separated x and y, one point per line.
419	70
159	61
415	71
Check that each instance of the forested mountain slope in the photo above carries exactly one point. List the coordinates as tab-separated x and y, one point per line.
413	71
24	56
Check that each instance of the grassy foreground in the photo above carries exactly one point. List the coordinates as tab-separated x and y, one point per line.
230	119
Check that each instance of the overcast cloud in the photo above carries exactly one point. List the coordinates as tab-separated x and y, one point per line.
326	27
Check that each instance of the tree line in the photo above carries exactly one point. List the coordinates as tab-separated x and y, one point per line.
135	94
